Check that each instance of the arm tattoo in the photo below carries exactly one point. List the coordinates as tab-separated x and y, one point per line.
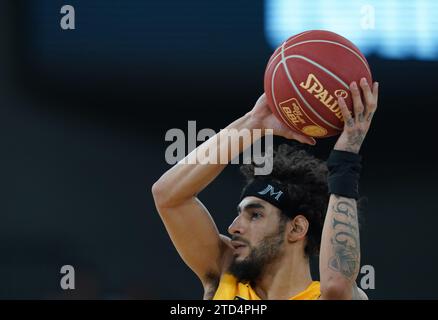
345	239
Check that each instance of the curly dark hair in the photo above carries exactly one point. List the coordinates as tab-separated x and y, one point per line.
305	179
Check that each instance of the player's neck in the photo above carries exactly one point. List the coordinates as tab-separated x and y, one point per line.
284	278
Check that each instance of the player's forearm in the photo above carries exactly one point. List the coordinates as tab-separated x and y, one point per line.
192	174
340	248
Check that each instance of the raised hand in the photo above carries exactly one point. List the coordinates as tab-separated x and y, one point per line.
357	125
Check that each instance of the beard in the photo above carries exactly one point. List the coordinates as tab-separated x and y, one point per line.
251	268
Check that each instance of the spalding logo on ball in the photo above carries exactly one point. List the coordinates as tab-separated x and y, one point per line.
306	75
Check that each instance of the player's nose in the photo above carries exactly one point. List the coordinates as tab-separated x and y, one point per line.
236	226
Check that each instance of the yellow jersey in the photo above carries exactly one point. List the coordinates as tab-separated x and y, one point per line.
231	289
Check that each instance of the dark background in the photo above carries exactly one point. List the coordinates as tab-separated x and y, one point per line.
83	116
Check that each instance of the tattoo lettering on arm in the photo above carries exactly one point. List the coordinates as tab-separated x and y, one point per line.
345	239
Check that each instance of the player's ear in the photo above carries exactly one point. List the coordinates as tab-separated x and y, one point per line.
297	228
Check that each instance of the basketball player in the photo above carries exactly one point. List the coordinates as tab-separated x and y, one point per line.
304	205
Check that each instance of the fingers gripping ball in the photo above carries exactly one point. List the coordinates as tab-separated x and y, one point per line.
305	76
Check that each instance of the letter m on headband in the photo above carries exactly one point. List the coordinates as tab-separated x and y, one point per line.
279	198
270	189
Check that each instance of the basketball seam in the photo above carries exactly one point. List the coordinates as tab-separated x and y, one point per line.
290	125
293	38
326	41
283	61
321	67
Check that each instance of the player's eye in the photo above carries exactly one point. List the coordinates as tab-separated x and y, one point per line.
255	215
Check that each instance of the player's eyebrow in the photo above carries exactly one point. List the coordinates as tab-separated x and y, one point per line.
251	205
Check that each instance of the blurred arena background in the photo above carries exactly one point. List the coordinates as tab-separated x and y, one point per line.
83	115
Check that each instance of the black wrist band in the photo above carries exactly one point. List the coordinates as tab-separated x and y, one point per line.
344	172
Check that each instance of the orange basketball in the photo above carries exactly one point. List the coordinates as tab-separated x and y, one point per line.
305	76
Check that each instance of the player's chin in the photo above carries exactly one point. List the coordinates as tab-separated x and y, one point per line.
240	253
239	258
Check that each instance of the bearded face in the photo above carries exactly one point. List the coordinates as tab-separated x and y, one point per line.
250	261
